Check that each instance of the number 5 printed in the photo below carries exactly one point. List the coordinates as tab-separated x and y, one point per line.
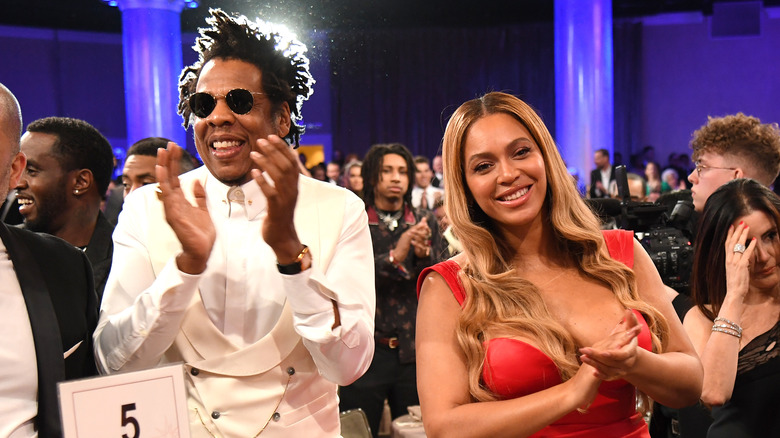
130	420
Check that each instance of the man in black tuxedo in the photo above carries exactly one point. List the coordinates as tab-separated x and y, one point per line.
49	307
601	176
69	165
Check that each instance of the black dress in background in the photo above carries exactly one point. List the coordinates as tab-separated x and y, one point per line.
754	407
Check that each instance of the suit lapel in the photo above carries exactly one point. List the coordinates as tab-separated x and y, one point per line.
45	330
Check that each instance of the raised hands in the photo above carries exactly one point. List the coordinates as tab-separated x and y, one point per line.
191	223
614	356
738	257
416	238
274	157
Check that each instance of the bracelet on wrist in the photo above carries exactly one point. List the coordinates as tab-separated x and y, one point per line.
727	331
727	324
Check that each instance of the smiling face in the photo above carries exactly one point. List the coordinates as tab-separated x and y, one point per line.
423	175
45	188
224	139
505	171
763	268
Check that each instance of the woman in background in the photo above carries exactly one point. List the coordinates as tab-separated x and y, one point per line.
352	177
541	326
655	185
734	327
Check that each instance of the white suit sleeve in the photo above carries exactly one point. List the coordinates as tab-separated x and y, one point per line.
342	354
140	315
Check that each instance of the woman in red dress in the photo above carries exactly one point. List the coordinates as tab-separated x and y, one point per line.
543	326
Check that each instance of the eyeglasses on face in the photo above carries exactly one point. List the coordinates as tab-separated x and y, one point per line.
239	101
701	168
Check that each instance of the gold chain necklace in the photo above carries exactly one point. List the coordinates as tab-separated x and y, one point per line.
267	422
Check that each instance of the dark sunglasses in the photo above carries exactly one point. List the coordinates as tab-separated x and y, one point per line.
239	101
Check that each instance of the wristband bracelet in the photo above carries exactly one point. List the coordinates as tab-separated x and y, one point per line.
296	266
727	331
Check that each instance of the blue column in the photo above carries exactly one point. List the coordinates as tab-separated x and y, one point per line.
151	40
584	96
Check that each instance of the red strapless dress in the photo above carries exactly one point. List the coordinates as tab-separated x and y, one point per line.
514	368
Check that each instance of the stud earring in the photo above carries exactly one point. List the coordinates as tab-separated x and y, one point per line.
76	191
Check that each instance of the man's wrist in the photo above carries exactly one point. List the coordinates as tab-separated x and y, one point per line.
190	265
301	263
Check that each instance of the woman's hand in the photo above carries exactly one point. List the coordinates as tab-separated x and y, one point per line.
585	386
738	263
614	356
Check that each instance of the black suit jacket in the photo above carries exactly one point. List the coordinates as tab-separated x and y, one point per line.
100	250
595	175
56	282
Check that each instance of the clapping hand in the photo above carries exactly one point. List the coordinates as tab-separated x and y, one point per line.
614	356
418	238
274	157
191	223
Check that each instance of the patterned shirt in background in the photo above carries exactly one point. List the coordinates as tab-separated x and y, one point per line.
396	296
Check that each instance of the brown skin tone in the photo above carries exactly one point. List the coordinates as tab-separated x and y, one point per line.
255	146
64	203
501	162
12	163
389	196
138	172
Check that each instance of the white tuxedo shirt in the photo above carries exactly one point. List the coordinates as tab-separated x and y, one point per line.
240	325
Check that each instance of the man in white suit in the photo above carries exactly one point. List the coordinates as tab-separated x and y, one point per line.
260	280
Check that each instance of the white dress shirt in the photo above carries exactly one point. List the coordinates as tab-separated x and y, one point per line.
431	193
18	373
241	288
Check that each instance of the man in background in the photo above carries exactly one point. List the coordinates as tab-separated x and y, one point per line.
48	304
406	240
602	175
69	165
333	172
731	147
138	171
424	195
438	172
141	160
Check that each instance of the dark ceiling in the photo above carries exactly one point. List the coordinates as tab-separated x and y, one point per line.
329	14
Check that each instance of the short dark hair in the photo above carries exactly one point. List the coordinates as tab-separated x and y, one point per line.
421	159
603	152
729	202
79	146
372	169
148	147
286	76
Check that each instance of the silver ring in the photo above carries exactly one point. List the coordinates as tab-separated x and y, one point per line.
740	248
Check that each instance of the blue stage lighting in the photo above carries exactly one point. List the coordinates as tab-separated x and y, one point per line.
190	4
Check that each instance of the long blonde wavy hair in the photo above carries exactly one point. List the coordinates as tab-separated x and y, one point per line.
496	295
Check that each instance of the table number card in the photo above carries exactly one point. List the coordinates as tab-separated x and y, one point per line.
149	404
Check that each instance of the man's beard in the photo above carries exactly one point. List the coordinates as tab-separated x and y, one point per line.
48	209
